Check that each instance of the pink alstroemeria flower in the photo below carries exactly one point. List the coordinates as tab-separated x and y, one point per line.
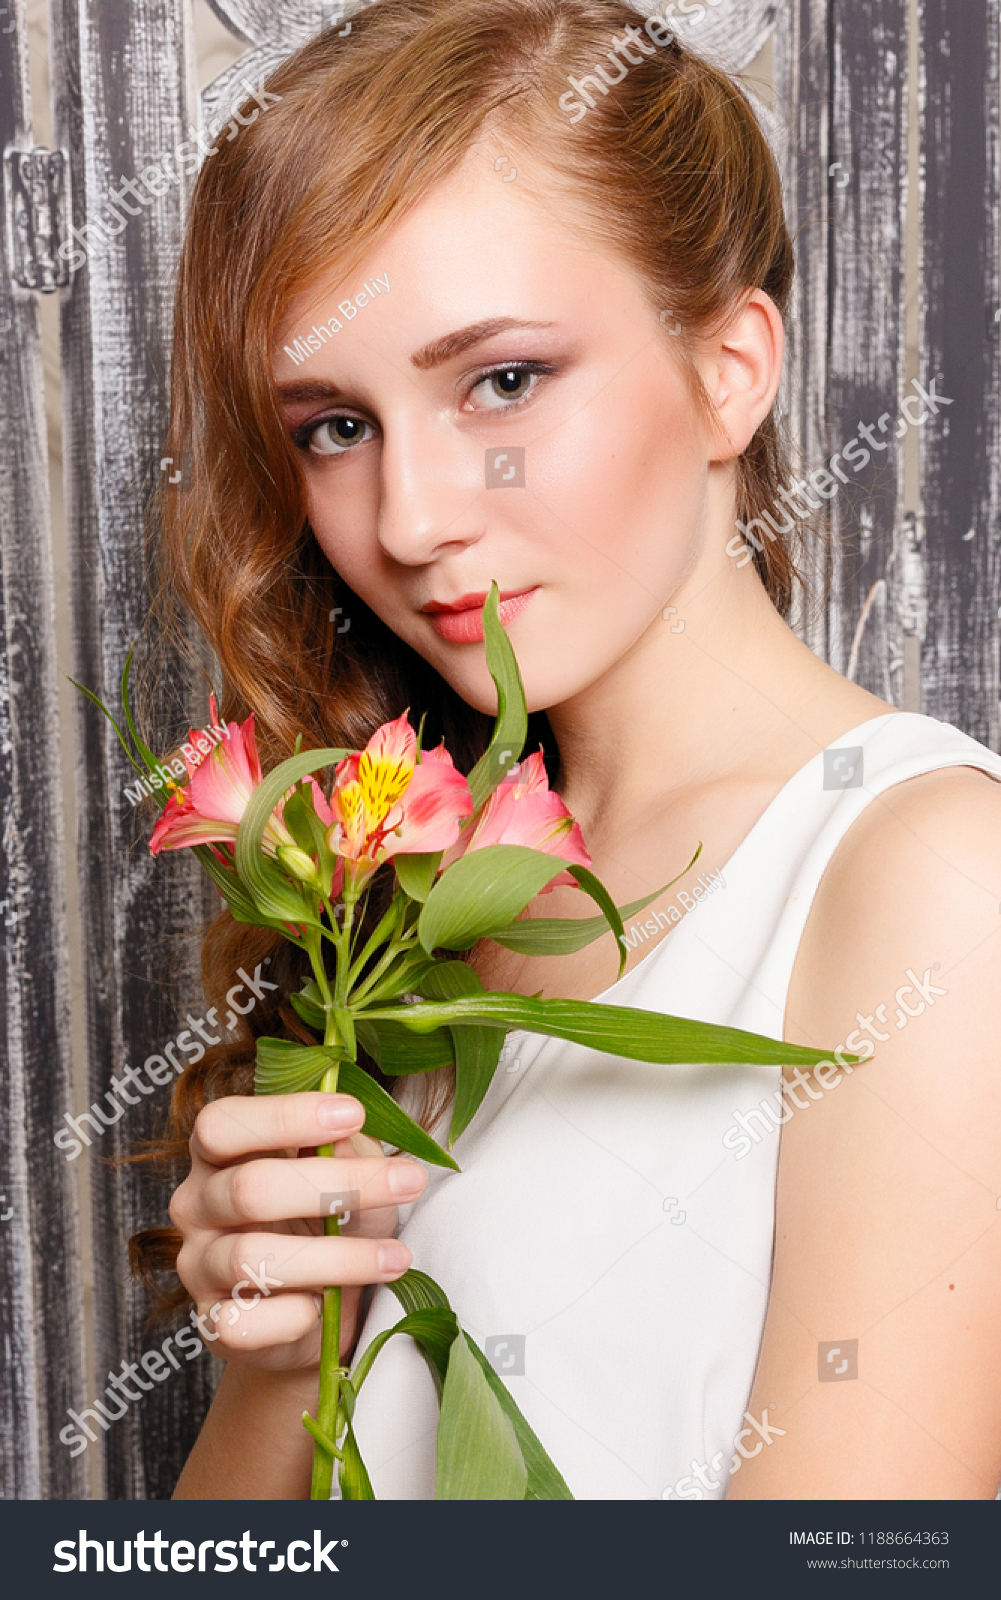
524	810
211	806
385	805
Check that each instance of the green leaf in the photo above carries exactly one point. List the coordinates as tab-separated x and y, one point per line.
477	1050
563	936
620	1030
415	1291
479	1457
352	1474
284	1067
433	1329
511	724
308	1004
449	980
416	873
596	889
386	1120
400	1052
482	891
270	890
314	1430
241	906
144	750
349	1395
311	835
295	815
544	1481
96	701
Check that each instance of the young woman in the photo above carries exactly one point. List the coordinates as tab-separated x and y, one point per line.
435	328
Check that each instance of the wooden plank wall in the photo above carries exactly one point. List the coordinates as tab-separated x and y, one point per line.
841	83
41	1337
882	582
123	90
960	346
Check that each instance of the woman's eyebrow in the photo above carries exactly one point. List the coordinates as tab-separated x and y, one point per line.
302	392
456	344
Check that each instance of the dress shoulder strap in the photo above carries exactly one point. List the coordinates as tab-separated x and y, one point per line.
744	942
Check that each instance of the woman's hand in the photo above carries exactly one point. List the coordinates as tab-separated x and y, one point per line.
253	1256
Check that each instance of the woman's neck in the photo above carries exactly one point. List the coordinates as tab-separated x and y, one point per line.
734	693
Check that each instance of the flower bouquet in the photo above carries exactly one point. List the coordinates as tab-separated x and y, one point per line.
469	854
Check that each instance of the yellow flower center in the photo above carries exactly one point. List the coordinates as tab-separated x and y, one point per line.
382	783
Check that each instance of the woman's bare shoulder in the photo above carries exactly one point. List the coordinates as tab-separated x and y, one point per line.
888	1228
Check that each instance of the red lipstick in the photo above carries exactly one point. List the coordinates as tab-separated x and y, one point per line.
461	621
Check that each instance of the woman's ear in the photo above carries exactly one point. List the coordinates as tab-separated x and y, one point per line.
740	368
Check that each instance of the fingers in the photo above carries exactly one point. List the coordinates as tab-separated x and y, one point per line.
242	1125
274	1190
240	1266
281	1320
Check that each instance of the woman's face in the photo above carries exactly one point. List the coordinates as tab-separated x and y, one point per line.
510	409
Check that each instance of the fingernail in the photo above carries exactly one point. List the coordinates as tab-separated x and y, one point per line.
405	1178
393	1260
337	1111
318	1303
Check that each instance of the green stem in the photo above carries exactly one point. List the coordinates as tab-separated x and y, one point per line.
330	1339
386	924
320	1437
328	1400
397	947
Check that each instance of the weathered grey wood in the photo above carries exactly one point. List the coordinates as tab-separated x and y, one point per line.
960	345
842	79
124	87
868	143
41	1337
272	33
729	33
802	102
123	90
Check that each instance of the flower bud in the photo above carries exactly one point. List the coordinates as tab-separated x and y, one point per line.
298	864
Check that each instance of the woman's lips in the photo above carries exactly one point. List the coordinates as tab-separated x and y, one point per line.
464	623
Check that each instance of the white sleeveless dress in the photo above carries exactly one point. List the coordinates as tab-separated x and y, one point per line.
609	1239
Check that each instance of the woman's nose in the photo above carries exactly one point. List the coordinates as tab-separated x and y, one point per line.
431	492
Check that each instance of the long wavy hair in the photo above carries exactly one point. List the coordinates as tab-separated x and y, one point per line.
671	171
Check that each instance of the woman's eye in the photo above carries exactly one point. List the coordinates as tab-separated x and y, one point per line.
335	435
503	385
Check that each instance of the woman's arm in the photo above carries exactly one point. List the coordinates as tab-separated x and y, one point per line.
240	1213
253	1445
888	1232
